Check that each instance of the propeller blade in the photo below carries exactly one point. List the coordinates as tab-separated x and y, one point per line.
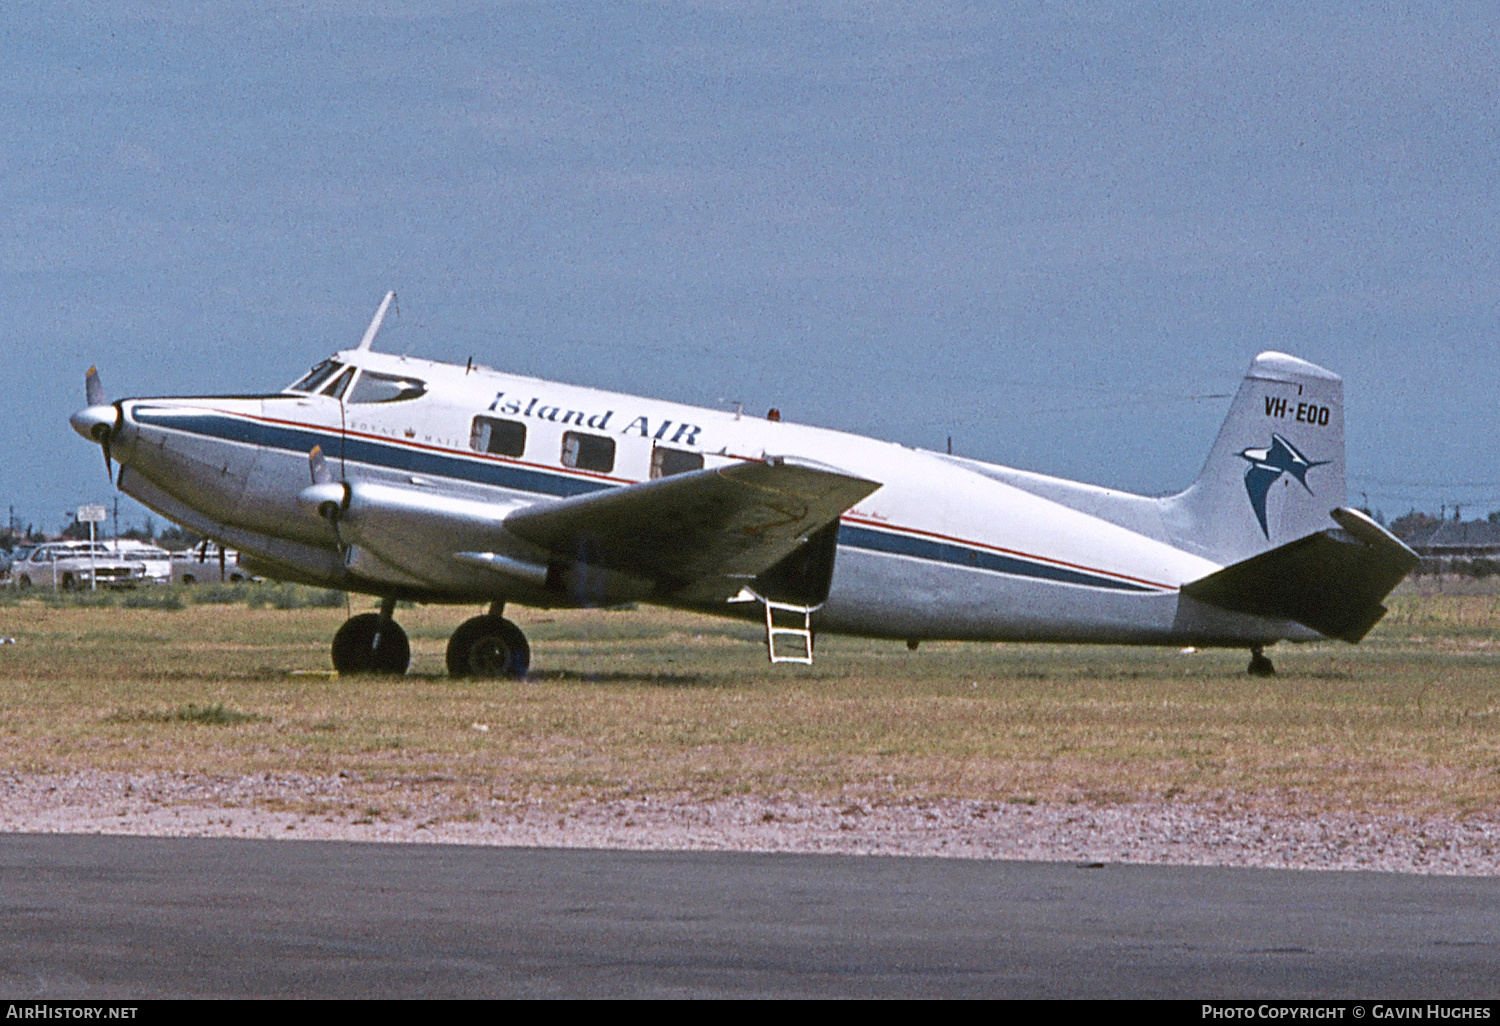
99	430
94	388
317	464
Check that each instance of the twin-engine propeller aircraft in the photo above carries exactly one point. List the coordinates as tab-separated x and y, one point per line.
409	479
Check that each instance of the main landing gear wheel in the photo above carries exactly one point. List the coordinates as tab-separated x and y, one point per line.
1260	665
366	645
488	647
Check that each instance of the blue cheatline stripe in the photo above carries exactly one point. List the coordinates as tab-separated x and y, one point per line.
502	475
961	555
360	450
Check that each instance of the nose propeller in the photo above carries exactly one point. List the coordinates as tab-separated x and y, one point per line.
99	421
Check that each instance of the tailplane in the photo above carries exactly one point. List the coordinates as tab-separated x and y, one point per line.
1332	581
1276	469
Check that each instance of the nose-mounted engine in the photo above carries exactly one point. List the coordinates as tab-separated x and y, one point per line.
100	421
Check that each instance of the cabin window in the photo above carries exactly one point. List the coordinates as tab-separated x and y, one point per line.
336	390
319	374
666	462
588	452
385	388
499	437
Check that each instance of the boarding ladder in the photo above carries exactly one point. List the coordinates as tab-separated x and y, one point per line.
790	611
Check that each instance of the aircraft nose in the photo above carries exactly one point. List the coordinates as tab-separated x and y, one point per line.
95	422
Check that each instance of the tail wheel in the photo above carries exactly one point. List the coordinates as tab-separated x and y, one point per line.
488	647
363	645
1260	665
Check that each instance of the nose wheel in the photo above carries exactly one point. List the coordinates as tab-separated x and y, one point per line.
372	643
488	646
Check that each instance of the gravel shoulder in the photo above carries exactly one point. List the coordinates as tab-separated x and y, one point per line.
1223	833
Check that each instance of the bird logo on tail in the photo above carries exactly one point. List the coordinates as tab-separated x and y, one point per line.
1266	467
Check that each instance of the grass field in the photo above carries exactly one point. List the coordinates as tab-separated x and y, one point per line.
642	702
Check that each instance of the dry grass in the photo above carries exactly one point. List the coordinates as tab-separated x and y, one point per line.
648	701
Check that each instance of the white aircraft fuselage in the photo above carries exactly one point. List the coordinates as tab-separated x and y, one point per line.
425	463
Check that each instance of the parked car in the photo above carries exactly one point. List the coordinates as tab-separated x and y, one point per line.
19	554
203	565
70	566
157	559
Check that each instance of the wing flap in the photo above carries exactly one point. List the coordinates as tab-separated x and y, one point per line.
709	529
1333	582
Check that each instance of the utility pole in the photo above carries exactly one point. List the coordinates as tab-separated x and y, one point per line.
117	523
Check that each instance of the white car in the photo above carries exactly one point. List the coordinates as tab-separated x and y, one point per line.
202	565
71	566
8	559
157	559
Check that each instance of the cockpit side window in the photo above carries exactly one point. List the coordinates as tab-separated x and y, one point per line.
319	374
340	383
386	388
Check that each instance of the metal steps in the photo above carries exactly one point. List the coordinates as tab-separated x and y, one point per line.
784	629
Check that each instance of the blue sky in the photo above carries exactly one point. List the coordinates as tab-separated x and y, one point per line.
1056	232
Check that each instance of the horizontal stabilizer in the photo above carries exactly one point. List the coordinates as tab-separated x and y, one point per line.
715	529
1332	581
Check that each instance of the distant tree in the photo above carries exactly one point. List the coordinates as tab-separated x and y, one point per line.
1410	523
177	538
1494	516
146	533
76	531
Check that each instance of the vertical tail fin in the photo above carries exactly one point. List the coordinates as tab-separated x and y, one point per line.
1276	469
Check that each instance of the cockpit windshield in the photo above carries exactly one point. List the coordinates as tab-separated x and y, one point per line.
319	374
385	388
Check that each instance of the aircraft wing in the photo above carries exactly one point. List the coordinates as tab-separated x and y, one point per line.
701	534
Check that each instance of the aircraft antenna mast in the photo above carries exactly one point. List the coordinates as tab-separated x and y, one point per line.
374	328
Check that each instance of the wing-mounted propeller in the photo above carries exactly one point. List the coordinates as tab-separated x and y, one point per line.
327	497
100	420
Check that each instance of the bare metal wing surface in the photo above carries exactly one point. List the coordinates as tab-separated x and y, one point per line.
704	533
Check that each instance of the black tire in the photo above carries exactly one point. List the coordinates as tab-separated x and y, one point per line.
1260	666
68	583
361	646
488	647
24	584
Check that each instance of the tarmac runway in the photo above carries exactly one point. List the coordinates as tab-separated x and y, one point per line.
93	916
